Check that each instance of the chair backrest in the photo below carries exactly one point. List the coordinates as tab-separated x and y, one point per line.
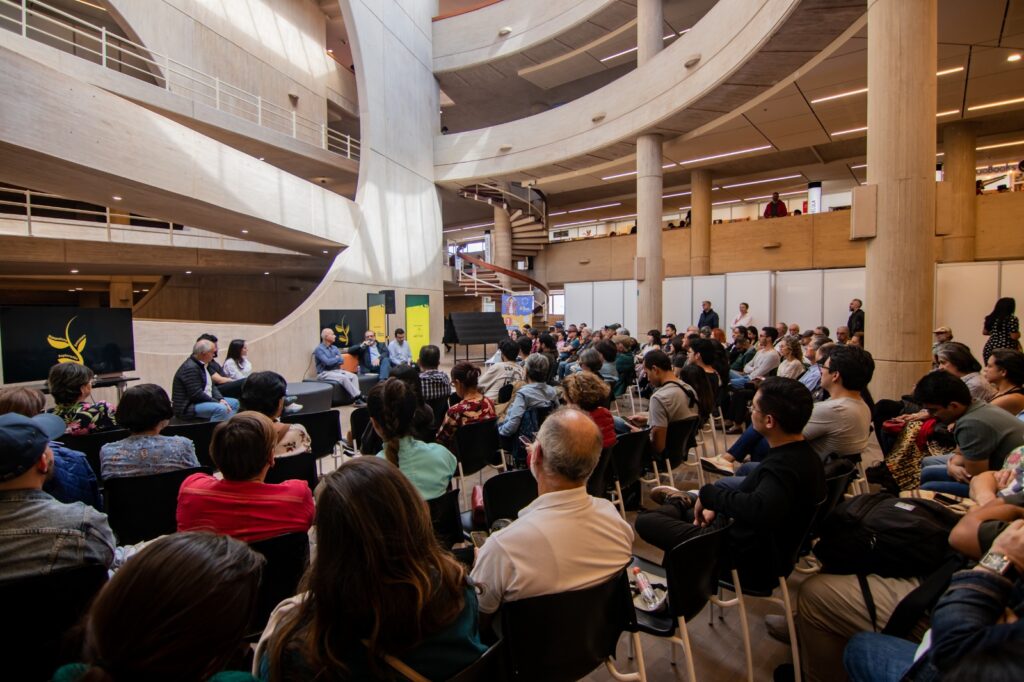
565	636
488	667
47	606
144	507
506	494
505	393
200	433
794	555
440	408
692	570
301	467
446	518
678	438
90	444
597	484
629	456
324	429
287	557
366	439
477	445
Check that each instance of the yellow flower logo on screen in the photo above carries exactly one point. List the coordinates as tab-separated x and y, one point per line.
342	330
65	343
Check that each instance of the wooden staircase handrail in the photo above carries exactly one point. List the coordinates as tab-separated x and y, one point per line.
501	271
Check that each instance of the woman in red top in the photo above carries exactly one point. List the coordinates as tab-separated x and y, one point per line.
242	505
472	407
591	394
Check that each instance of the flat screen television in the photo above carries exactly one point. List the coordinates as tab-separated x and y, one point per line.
35	338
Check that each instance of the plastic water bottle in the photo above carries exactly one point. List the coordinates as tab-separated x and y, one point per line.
644	586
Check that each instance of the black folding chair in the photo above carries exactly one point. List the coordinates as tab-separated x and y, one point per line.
505	393
287	557
47	606
477	446
90	444
679	437
145	507
629	456
440	408
366	439
301	467
487	668
446	518
506	494
200	433
324	429
691	571
599	481
586	624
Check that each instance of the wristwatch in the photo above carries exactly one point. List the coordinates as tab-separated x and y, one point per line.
1000	564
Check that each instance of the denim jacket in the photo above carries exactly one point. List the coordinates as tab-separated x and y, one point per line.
39	535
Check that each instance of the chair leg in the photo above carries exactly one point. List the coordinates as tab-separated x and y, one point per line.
791	624
743	625
670	475
462	484
619	500
687	651
641	671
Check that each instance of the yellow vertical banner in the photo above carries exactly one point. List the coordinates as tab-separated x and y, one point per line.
417	322
376	317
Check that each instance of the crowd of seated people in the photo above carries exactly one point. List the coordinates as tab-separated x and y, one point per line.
382	598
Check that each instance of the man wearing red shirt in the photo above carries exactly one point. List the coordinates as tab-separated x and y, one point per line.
776	208
242	505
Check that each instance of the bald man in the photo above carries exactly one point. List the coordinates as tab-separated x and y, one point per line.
565	539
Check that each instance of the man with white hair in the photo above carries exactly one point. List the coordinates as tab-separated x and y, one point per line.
565	539
193	392
329	366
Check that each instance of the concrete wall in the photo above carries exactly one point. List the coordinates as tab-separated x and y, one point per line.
254	299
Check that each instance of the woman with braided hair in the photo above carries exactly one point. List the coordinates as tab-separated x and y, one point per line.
429	466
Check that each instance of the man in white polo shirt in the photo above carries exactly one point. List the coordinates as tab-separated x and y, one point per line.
565	539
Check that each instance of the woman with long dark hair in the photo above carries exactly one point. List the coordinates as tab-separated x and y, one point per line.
237	365
392	407
1001	327
178	610
379	595
1005	371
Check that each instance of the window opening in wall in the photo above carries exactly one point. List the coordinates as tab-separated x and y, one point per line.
556	303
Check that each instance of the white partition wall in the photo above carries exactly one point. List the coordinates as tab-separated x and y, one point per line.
708	288
676	302
964	295
752	288
839	288
579	303
629	293
1011	283
608	306
798	297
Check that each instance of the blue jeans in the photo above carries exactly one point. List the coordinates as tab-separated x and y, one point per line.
737	379
383	370
935	460
936	478
216	412
874	657
736	480
750	443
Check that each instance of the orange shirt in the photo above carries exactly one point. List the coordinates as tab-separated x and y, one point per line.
244	510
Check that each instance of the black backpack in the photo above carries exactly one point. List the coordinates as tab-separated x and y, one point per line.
885	535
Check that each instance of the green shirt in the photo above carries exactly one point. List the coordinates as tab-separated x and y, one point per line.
428	465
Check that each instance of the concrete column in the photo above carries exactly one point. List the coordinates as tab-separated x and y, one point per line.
650	266
900	259
700	223
501	243
958	142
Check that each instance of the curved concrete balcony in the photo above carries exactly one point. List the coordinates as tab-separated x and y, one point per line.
739	51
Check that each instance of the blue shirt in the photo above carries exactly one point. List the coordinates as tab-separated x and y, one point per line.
811	378
146	455
401	353
428	466
326	358
73	479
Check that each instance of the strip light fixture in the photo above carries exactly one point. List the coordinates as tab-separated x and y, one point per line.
594	208
670	36
861	91
1000	145
758	182
847	132
1002	103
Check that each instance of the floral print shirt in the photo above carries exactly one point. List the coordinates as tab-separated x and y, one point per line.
462	413
85	418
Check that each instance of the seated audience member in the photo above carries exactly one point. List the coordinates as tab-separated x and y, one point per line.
1005	372
984	434
535	394
794	329
608	354
770	511
399	352
193	393
857	339
565	539
473	406
701	382
821	330
741	352
373	356
957	359
588	393
434	383
702	353
525	344
782	328
237	365
392	407
379	590
549	350
242	505
940	336
670	402
842	335
423	418
145	410
264	392
718	334
653	342
73	480
791	354
70	385
764	361
811	378
330	366
177	611
38	534
503	373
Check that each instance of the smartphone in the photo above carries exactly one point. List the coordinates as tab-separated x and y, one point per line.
478	537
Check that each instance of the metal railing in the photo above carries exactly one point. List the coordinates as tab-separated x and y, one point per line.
29	214
55	27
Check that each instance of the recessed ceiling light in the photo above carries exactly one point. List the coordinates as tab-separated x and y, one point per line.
188	272
330	51
725	154
325	250
859	165
245	231
847	132
74	272
78	288
116	197
946	72
619	175
594	208
998	146
1015	57
266	273
551	215
135	291
758	182
849	93
731	201
260	158
675	194
1001	103
71	290
947	113
145	290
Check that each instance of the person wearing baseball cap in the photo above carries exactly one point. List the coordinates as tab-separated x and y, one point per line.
38	534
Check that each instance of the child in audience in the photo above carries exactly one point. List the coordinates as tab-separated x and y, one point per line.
178	610
380	593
